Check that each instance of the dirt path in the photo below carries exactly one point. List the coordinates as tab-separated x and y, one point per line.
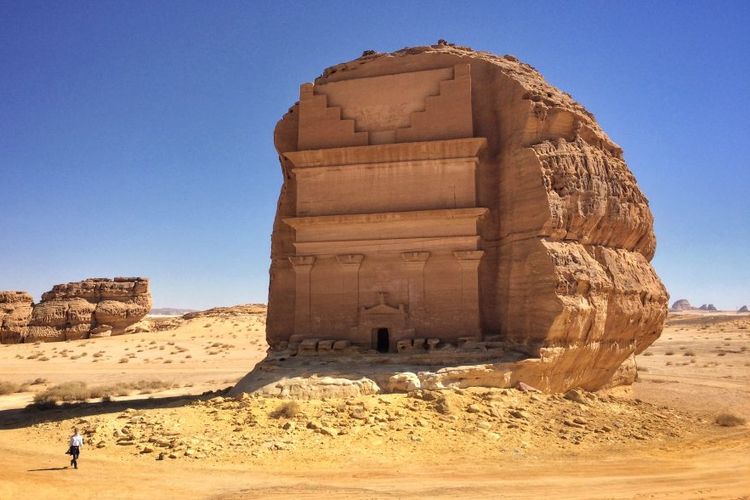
719	468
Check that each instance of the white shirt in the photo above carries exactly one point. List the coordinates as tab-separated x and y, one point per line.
76	440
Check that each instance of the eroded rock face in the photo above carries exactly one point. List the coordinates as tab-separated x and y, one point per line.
557	236
73	310
15	313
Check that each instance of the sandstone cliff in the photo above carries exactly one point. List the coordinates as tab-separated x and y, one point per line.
72	311
566	274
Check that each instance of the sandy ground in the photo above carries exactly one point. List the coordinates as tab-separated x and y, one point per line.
477	443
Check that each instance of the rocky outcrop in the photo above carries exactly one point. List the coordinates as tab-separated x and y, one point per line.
681	305
565	274
707	307
76	310
15	313
743	309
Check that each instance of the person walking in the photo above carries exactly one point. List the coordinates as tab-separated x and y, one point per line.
76	441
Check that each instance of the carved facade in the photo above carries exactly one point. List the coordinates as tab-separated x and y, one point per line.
386	244
436	194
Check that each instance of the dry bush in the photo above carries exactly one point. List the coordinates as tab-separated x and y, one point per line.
647	353
688	353
8	388
69	392
669	353
65	392
729	420
123	360
287	409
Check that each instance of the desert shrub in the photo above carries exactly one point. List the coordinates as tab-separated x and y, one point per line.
287	409
123	360
65	392
647	353
688	353
669	353
8	388
38	381
729	420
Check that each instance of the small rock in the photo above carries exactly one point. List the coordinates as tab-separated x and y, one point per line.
523	387
576	396
328	431
518	414
474	408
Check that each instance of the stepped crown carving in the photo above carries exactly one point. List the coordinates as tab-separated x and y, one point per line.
406	107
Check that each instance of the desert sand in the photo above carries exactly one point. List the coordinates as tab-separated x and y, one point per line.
187	438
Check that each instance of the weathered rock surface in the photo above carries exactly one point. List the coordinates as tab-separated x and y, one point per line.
15	313
317	387
566	245
743	309
682	305
76	310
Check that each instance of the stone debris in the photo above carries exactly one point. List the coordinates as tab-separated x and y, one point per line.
486	418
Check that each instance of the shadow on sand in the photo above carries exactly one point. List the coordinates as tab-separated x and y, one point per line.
25	417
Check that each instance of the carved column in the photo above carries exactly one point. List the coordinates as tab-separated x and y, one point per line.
302	264
469	262
414	263
350	263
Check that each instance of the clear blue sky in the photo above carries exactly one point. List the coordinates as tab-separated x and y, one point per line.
136	137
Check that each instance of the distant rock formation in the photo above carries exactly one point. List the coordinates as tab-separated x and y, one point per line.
708	307
170	311
743	309
681	305
74	310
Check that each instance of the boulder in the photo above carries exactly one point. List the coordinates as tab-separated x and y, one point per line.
403	382
314	387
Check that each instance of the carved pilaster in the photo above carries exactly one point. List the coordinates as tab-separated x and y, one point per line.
469	262
350	264
303	265
414	263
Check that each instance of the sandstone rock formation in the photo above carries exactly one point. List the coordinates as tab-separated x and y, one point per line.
681	305
439	197
15	313
97	306
743	309
707	307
